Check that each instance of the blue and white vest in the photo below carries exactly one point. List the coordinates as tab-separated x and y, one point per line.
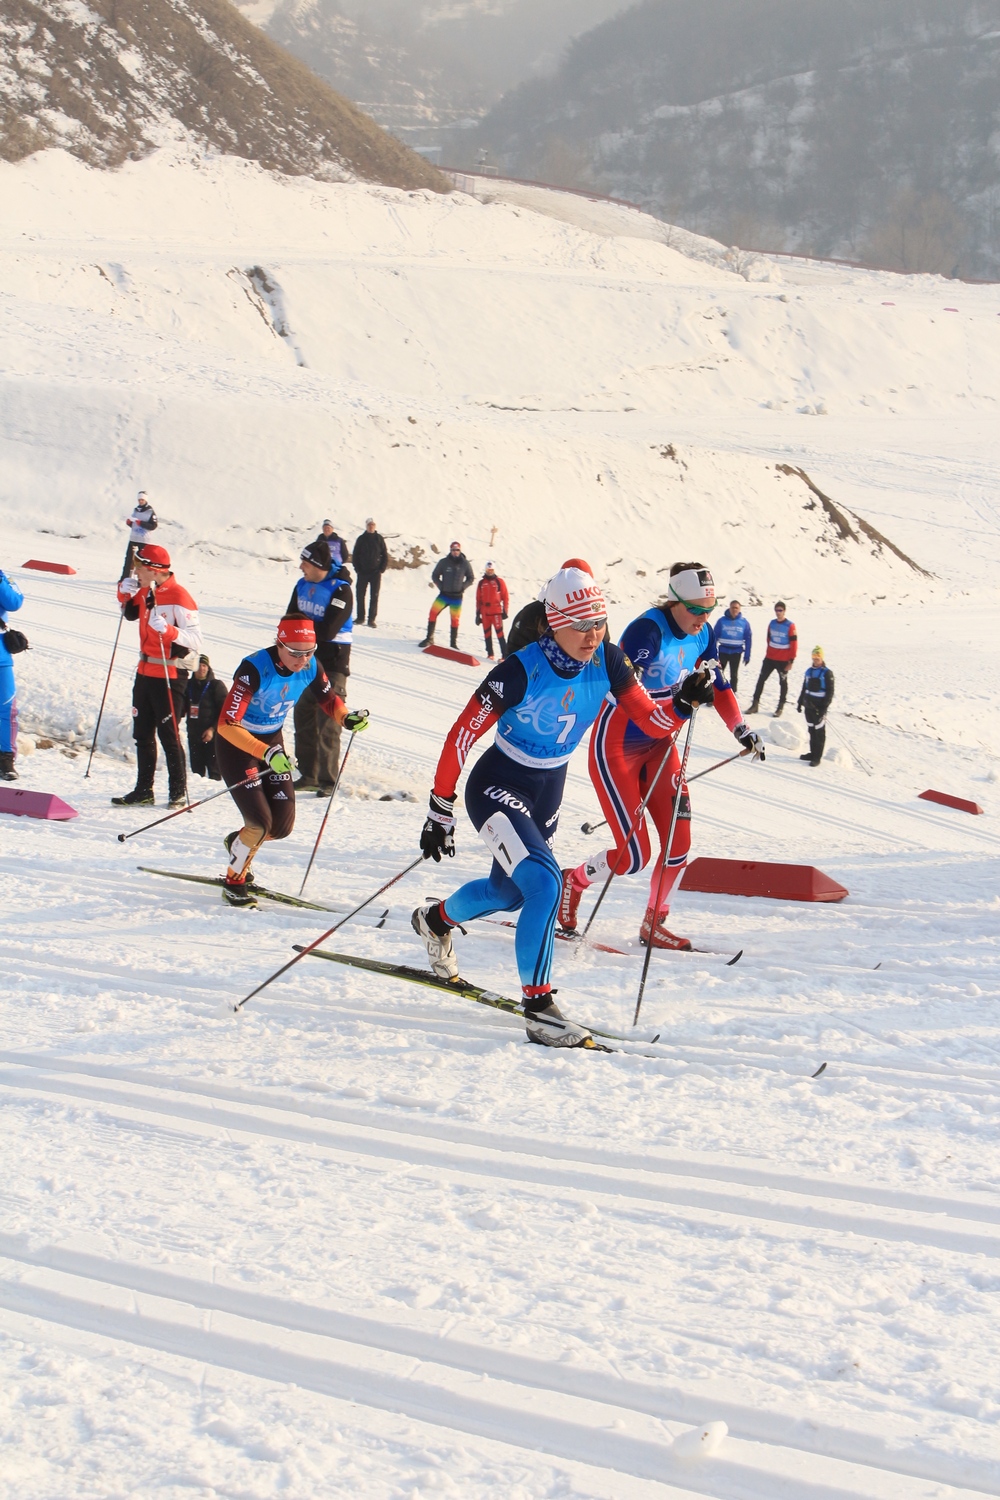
555	713
675	657
268	708
313	601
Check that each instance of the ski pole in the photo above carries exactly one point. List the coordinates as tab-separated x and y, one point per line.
593	827
180	811
329	933
173	716
329	804
107	684
663	864
635	823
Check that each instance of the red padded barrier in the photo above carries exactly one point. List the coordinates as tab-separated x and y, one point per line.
739	877
26	804
947	800
47	567
464	657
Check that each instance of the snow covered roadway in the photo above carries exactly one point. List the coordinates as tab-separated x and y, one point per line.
361	1239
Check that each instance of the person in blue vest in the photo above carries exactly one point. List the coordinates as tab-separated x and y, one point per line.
814	700
250	749
542	700
11	642
323	595
733	639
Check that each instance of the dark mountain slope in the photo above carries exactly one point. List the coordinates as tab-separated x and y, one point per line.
114	79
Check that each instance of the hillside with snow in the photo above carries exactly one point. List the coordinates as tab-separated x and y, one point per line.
362	1240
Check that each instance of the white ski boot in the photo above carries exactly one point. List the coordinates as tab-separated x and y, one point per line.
428	923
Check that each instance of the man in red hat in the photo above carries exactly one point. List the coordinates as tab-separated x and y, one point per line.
168	632
250	749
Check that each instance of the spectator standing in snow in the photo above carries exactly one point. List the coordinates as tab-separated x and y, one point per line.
340	552
733	639
141	523
204	696
492	603
371	558
814	700
452	575
11	642
782	645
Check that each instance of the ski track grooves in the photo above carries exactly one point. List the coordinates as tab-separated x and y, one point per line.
369	1362
464	1153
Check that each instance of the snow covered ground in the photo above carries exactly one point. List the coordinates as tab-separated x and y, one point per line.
363	1240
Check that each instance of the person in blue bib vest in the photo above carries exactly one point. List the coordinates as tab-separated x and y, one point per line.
814	700
250	748
323	595
11	642
542	700
733	640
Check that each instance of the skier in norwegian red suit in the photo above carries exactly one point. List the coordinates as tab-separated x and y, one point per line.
168	632
267	684
664	643
492	603
542	699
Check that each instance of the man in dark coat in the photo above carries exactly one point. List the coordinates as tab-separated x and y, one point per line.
452	575
204	696
340	552
371	558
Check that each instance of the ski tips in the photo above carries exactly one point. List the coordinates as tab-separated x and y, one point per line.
819	1070
734	960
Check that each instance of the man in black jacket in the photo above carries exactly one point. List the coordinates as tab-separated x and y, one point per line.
452	575
815	698
371	558
204	696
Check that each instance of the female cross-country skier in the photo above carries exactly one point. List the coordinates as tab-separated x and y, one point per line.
267	684
542	700
667	641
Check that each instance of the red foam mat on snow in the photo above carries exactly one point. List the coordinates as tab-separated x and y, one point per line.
464	657
947	800
24	804
47	567
739	877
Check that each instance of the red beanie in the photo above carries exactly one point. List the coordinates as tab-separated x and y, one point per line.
296	632
578	562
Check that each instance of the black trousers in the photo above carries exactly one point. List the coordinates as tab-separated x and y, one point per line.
200	755
152	719
782	668
364	583
816	720
731	659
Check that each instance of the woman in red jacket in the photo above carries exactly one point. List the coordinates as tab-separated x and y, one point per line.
492	601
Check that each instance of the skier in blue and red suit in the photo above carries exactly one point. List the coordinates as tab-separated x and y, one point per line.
542	700
665	643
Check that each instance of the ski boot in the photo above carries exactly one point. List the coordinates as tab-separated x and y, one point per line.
7	771
238	893
569	901
304	784
429	924
179	800
550	1028
654	932
138	797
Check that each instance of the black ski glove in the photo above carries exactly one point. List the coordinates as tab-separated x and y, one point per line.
697	688
749	740
15	641
437	836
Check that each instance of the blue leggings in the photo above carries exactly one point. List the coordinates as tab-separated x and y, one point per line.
522	806
8	707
